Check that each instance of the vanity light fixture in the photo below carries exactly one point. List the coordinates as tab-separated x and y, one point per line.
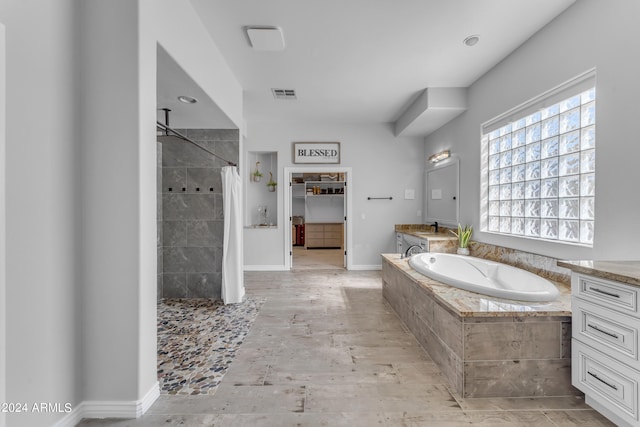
471	40
187	99
438	157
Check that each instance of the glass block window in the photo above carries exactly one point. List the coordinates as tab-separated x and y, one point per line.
539	170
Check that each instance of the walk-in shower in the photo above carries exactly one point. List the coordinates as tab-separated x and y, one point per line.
191	210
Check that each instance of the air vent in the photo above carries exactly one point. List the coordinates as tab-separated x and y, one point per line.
284	93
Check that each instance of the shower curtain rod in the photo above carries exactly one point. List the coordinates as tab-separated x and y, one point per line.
167	129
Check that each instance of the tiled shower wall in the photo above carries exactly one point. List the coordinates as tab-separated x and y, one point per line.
192	214
159	213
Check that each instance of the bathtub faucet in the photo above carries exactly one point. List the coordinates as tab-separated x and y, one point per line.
413	249
435	224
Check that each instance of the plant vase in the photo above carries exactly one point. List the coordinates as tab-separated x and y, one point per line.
256	176
271	185
463	235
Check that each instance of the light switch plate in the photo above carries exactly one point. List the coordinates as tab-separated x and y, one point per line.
409	194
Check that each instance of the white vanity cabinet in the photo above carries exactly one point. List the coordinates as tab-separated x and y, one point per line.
605	363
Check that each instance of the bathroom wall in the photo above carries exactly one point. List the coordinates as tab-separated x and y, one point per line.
192	214
80	197
40	170
590	33
383	166
159	269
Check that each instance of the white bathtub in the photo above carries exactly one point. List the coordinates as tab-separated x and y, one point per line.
484	277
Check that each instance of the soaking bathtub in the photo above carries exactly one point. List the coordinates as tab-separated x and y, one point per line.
484	277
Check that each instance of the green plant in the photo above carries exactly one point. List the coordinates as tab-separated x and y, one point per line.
271	182
463	235
257	173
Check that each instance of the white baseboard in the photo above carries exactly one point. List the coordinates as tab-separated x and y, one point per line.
366	267
265	268
111	409
282	267
149	399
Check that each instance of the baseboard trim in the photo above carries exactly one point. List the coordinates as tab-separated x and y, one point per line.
264	268
366	267
282	267
110	408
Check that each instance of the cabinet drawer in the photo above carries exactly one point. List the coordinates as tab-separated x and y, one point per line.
313	228
314	243
314	234
333	235
335	228
612	294
614	384
609	331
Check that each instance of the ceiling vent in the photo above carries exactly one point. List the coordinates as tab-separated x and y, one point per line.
265	38
284	93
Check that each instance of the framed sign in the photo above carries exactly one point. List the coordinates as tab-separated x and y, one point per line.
316	152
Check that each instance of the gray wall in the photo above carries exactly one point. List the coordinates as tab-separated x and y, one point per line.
192	214
591	33
159	268
383	165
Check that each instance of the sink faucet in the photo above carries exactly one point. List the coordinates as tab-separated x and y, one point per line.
413	249
435	224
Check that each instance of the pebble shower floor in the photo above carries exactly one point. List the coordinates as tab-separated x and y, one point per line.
197	341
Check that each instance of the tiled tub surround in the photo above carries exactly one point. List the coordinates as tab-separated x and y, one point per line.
192	212
485	347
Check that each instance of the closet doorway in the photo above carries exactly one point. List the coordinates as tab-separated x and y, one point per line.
317	211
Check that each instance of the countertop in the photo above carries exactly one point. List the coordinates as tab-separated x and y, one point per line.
627	272
471	304
424	231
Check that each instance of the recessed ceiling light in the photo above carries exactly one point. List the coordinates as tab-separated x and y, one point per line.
265	38
187	99
471	40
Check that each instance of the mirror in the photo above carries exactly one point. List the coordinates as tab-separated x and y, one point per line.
441	192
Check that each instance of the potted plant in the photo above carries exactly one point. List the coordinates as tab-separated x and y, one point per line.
256	176
463	235
271	184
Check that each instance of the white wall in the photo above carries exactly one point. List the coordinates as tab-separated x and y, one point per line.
591	33
181	33
382	166
41	207
3	237
118	199
81	200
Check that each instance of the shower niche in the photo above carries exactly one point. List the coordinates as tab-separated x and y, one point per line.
262	190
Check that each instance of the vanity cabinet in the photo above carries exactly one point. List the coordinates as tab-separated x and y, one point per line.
323	235
605	362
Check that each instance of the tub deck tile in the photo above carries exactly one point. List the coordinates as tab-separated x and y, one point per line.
484	346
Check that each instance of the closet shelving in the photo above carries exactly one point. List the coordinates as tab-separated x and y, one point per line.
323	188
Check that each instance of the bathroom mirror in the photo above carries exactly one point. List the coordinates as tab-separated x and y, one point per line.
441	192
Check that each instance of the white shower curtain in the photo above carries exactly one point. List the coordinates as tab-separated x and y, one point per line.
232	276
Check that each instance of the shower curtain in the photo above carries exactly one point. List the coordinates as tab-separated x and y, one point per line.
232	276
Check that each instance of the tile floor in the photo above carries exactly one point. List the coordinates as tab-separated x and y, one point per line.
198	340
317	259
326	350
